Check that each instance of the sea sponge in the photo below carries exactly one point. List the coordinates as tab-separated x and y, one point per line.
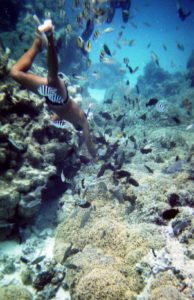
102	284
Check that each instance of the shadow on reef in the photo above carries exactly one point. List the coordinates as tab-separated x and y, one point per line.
53	189
21	109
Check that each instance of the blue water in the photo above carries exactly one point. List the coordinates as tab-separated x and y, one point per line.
154	23
165	29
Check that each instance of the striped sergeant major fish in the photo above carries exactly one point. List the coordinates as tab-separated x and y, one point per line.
63	124
50	92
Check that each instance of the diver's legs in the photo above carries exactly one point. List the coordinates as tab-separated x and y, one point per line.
52	59
20	69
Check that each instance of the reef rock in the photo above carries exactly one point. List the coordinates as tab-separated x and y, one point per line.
15	292
4	57
31	151
9	199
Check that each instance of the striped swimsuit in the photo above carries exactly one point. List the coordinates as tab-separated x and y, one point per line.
51	96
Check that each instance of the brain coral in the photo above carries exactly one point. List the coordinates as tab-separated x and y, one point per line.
102	284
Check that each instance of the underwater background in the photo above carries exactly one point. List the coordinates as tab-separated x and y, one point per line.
120	226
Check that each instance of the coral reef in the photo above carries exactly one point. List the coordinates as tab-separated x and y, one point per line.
135	223
121	247
124	223
4	57
95	285
166	286
27	160
15	292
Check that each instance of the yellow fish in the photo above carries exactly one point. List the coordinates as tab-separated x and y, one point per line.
119	135
96	35
80	42
69	28
88	46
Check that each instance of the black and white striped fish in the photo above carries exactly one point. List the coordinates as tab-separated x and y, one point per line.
50	92
60	123
45	90
161	107
63	124
56	98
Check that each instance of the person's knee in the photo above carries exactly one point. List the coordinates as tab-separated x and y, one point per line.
14	73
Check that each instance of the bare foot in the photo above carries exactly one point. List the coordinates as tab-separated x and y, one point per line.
41	39
46	26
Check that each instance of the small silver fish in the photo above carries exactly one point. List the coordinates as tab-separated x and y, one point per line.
155	58
33	204
191	126
62	124
65	179
108	61
62	176
161	107
108	30
38	260
15	145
